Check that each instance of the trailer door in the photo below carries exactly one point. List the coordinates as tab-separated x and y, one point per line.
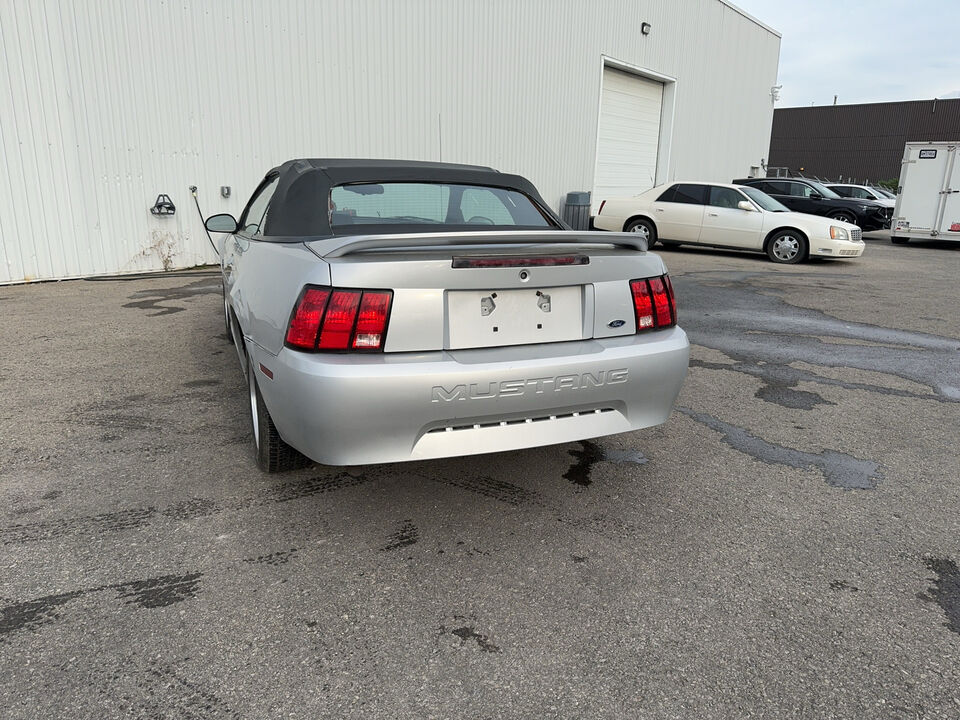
950	215
921	180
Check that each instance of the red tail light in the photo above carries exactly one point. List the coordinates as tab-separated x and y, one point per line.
334	319
372	320
305	322
653	303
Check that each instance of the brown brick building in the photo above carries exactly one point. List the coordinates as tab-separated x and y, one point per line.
862	142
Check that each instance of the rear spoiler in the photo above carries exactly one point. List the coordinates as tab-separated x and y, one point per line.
340	246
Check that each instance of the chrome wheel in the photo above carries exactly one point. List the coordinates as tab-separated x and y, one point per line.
785	248
642	230
254	411
645	229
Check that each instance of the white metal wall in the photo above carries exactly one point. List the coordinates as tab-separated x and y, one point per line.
106	103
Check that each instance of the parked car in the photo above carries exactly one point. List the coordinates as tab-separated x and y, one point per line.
809	196
863	192
720	215
387	311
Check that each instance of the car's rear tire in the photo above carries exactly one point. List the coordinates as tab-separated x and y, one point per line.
273	454
644	228
843	216
787	247
899	240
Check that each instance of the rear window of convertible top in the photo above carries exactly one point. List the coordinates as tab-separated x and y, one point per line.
441	204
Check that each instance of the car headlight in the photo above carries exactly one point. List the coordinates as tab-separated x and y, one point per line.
839	233
866	208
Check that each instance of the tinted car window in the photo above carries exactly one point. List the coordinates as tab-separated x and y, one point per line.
690	194
668	195
796	189
257	207
724	197
775	188
843	190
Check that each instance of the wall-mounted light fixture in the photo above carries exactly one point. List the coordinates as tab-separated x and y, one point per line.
645	28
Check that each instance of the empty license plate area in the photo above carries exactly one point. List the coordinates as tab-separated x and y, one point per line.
487	318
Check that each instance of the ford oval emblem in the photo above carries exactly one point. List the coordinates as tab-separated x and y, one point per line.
616	323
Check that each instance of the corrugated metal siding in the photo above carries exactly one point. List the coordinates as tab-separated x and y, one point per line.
106	103
863	142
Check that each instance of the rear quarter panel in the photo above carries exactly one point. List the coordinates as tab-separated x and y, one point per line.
264	284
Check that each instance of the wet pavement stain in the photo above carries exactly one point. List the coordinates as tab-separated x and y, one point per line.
404	536
839	585
150	593
155	688
189	509
33	613
201	383
468	633
280	557
590	454
496	489
84	525
779	382
162	300
945	591
839	469
732	312
159	591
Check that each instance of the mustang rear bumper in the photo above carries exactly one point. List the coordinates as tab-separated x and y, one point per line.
390	407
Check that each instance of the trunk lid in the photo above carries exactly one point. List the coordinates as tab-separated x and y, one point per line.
450	292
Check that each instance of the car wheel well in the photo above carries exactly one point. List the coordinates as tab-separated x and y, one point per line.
769	237
630	219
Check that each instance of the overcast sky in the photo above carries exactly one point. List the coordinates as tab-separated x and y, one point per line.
863	50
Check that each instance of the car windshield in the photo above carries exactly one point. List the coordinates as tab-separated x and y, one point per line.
763	200
435	204
822	189
884	193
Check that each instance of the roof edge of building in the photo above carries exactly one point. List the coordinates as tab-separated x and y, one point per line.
884	102
750	17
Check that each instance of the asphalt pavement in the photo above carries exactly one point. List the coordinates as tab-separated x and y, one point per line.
786	546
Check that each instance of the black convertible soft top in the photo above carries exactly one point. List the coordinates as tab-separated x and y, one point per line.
299	203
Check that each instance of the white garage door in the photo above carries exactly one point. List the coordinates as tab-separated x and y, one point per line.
628	136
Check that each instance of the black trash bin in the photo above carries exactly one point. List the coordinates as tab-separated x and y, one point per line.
576	210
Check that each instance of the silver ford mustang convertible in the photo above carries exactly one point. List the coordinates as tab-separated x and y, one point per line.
386	310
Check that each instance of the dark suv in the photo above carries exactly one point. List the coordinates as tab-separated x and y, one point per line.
808	196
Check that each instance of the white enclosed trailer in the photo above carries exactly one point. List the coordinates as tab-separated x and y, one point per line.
928	199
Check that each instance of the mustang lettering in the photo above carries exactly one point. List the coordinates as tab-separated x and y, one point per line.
510	388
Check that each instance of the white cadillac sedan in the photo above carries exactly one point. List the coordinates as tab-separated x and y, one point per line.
733	216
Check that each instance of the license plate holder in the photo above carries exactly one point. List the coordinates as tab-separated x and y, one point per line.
490	318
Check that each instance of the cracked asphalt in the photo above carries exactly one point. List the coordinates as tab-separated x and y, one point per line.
786	546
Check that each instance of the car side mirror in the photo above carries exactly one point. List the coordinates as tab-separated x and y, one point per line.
816	196
746	205
222	223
